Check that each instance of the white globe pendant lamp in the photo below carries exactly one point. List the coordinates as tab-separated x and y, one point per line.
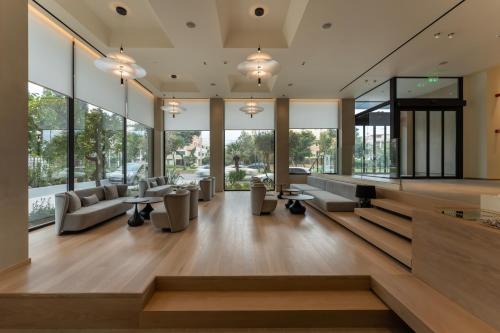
120	64
173	107
251	108
260	66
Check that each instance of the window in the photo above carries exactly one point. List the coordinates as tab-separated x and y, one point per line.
313	141
139	156
187	142
312	151
47	151
98	144
249	145
248	153
187	156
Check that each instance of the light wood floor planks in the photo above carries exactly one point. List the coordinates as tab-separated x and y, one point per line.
225	240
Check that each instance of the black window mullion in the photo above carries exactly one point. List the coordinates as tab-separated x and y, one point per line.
71	126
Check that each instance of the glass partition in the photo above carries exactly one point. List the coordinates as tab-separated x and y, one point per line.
429	87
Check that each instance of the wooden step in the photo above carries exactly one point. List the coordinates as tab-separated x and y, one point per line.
392	244
395	223
198	305
393	206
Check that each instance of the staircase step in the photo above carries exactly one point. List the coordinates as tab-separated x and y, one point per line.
393	206
392	244
395	223
251	307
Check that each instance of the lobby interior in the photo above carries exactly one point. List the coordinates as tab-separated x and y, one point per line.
310	165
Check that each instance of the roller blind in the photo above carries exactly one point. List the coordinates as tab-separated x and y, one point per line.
49	54
195	118
314	113
237	120
141	104
97	87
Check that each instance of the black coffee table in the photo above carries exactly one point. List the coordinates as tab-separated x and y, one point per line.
146	211
296	207
136	219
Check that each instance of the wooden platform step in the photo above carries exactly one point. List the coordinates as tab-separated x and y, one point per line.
395	223
273	301
392	244
393	206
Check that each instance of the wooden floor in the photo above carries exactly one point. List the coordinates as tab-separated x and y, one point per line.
226	240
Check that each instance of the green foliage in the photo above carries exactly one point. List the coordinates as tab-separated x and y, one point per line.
264	144
173	176
177	140
235	176
41	209
300	146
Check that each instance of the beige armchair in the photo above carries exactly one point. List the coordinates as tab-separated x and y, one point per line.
206	189
261	203
194	192
174	216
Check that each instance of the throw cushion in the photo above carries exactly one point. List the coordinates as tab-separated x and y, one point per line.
160	181
110	192
153	183
74	202
90	200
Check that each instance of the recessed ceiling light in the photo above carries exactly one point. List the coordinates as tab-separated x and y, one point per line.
205	63
283	95
290	84
451	35
190	24
216	95
437	35
326	26
303	63
259	11
173	76
121	10
442	63
213	84
225	62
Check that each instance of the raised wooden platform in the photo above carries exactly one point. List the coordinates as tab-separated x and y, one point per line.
394	223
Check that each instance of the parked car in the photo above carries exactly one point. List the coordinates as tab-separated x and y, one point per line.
256	165
79	174
299	171
135	171
203	171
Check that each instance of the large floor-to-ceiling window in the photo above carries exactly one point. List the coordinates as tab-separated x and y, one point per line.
47	151
249	145
313	136
78	125
187	142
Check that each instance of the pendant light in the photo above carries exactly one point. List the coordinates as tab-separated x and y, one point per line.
173	107
120	64
251	108
260	66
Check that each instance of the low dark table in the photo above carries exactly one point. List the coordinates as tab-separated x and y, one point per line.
136	219
296	207
146	211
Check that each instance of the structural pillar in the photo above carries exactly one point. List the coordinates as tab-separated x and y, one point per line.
217	108
346	137
281	141
158	142
14	134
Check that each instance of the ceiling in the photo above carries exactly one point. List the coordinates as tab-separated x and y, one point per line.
344	61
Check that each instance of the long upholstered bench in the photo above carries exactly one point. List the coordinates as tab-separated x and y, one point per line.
330	195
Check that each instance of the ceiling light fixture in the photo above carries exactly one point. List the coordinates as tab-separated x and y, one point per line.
259	11
259	65
213	84
173	76
173	107
251	108
190	25
451	35
326	26
120	64
120	10
442	63
437	35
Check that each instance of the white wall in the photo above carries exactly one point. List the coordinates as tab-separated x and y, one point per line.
13	133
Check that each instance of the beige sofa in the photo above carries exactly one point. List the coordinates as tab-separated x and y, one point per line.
261	201
89	216
147	187
330	195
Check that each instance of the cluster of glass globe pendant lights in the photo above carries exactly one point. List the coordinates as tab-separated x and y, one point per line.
258	65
